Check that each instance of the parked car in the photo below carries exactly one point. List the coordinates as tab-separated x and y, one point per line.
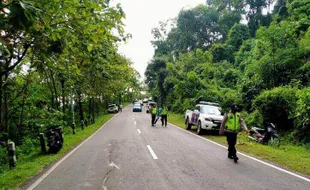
137	107
113	108
145	100
149	106
205	115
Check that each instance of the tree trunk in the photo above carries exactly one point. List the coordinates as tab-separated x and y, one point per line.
89	110
55	89
1	83
21	118
93	110
62	81
80	105
5	91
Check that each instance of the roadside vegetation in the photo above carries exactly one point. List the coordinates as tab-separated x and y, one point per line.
289	156
253	53
32	162
53	54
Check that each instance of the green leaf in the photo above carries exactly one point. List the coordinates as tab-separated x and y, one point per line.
89	47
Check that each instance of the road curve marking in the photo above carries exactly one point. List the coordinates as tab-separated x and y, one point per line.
139	131
270	165
152	152
65	157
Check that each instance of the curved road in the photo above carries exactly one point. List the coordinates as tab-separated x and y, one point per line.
127	153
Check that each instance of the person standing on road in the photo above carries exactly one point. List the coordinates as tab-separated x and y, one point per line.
164	116
120	108
230	128
153	114
158	115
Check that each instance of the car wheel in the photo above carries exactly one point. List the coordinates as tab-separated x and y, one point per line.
188	125
199	129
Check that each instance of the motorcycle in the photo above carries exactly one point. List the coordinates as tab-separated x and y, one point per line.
267	136
54	138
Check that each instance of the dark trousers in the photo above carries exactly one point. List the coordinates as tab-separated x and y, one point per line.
231	140
153	118
164	120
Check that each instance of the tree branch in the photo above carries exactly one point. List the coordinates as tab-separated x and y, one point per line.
18	60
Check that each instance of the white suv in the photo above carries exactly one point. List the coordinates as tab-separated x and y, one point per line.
113	108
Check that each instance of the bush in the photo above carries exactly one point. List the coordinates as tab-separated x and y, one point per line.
254	119
277	106
3	157
302	122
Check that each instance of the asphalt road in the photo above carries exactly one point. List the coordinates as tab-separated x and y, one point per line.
127	153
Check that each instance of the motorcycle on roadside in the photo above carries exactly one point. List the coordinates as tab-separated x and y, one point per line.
267	136
54	138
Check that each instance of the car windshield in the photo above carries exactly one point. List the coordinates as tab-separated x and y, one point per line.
137	105
211	110
111	106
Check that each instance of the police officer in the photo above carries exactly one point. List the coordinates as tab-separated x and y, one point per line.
153	114
230	128
164	116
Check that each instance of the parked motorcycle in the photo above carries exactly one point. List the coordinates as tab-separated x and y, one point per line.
54	138
267	136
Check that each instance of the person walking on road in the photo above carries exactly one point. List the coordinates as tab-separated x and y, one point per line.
230	128
164	116
158	115
153	114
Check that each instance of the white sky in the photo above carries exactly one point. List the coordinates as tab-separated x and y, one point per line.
141	17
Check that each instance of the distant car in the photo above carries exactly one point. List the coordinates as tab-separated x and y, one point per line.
145	100
113	108
150	106
137	107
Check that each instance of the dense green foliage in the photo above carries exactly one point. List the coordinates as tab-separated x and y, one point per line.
49	48
260	61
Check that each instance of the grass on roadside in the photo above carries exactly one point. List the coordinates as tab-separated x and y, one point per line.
288	156
32	164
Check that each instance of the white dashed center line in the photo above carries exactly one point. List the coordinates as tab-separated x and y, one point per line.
152	152
135	123
139	131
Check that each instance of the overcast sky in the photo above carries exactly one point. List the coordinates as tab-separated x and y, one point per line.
141	17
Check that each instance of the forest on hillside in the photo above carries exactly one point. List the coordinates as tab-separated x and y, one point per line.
53	54
254	53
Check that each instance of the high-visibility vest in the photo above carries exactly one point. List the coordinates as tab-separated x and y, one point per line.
154	111
164	111
232	122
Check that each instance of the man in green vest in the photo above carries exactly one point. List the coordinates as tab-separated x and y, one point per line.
153	114
230	127
164	116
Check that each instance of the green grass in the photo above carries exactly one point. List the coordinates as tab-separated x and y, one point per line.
289	156
32	164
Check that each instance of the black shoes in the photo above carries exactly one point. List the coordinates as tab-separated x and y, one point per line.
235	158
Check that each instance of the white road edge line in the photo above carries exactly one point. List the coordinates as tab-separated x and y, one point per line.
139	131
64	158
152	152
270	165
